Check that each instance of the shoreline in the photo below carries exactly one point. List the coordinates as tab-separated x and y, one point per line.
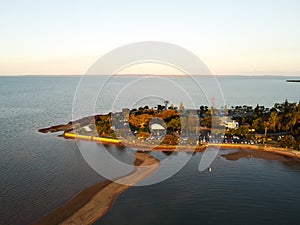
275	150
265	155
185	148
94	202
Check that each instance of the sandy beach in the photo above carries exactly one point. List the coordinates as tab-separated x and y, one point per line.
190	148
201	148
93	202
249	154
256	149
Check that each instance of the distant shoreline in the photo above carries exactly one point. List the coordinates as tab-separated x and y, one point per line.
132	75
293	81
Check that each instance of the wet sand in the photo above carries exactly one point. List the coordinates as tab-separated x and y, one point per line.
246	153
265	151
93	202
284	152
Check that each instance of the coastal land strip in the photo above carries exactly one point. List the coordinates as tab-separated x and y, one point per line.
147	147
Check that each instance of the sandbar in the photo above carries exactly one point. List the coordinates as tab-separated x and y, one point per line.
93	202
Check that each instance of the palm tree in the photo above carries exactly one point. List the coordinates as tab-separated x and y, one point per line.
273	121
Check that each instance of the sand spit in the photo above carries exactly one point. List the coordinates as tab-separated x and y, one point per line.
92	203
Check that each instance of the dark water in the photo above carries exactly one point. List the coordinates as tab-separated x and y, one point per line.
248	191
38	172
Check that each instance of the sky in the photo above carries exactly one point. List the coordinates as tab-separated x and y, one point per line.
232	37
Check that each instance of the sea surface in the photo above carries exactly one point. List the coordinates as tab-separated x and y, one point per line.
39	172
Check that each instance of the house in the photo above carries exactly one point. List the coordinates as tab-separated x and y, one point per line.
157	130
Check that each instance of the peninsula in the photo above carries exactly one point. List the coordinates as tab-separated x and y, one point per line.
269	133
170	128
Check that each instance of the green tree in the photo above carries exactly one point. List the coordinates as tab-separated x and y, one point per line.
206	121
294	117
174	124
258	124
288	141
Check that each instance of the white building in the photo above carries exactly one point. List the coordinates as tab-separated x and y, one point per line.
157	130
229	123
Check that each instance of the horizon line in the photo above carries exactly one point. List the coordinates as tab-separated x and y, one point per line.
146	74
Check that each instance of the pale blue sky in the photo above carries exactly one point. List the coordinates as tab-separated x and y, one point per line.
248	37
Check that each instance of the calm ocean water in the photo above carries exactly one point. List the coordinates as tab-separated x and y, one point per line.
41	171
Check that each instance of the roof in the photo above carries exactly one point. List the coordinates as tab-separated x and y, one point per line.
87	128
157	126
